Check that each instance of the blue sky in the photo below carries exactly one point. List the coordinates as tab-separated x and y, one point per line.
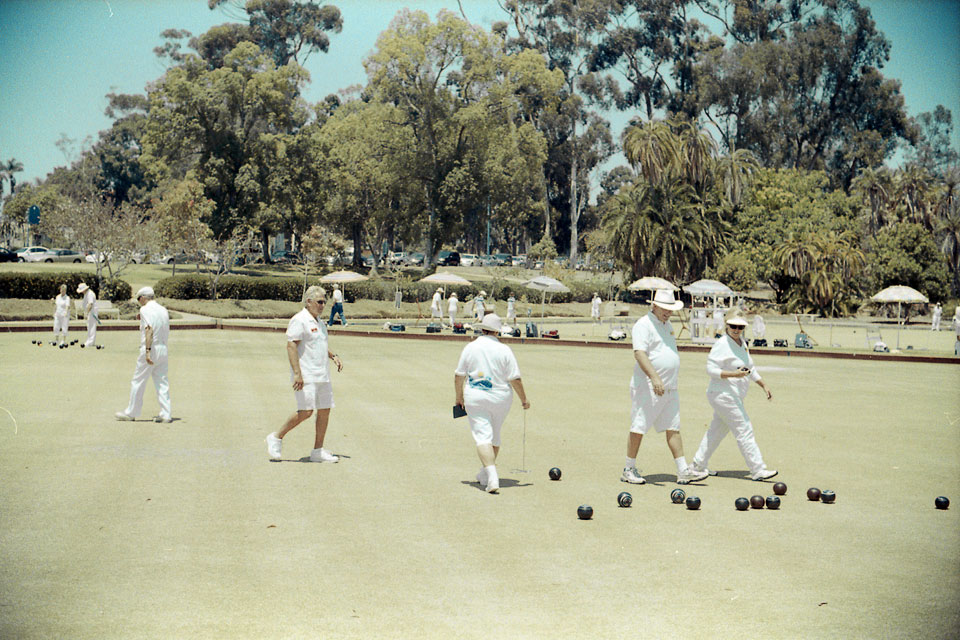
61	57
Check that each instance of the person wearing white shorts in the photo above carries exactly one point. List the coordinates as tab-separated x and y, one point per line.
731	370
654	388
484	381
152	361
308	351
61	315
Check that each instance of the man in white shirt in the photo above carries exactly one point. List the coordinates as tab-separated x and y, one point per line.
654	388
61	315
337	306
452	307
152	361
512	310
479	307
308	352
484	382
90	310
595	308
937	314
436	305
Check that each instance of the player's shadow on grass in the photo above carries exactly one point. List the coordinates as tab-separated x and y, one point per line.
307	460
505	483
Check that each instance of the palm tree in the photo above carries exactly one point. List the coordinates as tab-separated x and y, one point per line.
950	243
736	169
913	190
875	188
696	152
652	149
7	171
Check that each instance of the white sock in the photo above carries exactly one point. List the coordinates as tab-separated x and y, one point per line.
681	464
631	463
492	474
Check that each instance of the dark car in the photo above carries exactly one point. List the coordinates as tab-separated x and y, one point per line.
449	259
285	257
8	255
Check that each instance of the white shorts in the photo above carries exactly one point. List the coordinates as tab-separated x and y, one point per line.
486	416
650	410
61	324
314	395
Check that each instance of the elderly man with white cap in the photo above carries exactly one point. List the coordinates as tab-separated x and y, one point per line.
452	307
337	306
731	370
90	310
654	388
595	307
479	305
436	305
152	362
484	381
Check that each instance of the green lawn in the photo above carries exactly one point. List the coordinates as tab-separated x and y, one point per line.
143	530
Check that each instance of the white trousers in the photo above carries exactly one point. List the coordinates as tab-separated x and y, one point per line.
144	371
61	324
453	318
91	330
729	415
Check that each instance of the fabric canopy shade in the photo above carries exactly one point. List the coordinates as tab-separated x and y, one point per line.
545	285
652	283
901	294
444	277
708	288
344	276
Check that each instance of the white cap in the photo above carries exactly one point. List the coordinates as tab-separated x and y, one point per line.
665	299
737	320
491	322
82	287
145	291
439	289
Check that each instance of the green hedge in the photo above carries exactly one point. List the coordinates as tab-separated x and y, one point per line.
192	286
44	286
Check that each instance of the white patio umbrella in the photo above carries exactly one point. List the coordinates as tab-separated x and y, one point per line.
708	288
344	276
900	294
652	283
445	277
545	285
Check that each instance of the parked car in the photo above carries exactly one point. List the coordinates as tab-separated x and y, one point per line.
415	259
27	253
519	261
397	257
487	261
8	255
503	259
137	257
468	260
178	258
63	255
449	259
285	257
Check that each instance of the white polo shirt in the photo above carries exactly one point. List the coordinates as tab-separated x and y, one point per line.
727	355
90	298
63	305
312	348
489	366
656	339
337	296
452	304
435	305
155	316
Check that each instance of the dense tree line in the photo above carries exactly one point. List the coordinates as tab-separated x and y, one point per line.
757	147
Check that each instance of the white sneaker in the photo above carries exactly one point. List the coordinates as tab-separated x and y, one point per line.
764	474
322	455
162	419
122	416
632	475
494	486
274	445
691	475
698	469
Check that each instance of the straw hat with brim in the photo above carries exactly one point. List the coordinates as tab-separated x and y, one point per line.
665	299
82	287
737	321
491	322
483	293
439	289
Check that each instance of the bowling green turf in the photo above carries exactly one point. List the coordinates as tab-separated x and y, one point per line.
186	530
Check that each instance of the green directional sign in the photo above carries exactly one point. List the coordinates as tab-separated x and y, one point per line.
33	214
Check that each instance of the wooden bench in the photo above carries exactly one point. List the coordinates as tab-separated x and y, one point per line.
104	308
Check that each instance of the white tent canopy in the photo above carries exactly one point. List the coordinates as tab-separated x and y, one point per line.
708	288
652	283
901	294
445	277
545	285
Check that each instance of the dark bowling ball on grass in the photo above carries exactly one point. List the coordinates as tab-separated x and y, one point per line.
83	346
742	504
942	502
827	496
773	502
813	494
757	502
624	499
584	512
693	503
677	496
555	473
780	489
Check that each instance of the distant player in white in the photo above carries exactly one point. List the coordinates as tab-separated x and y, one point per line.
90	310
478	306
452	307
759	327
511	310
307	353
595	308
337	306
61	315
654	388
436	306
482	383
152	361
731	370
937	314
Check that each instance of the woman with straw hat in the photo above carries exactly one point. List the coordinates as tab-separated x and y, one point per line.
731	370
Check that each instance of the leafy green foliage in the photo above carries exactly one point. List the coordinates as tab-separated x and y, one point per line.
905	254
46	286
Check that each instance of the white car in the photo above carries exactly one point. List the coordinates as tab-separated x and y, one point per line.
519	261
31	254
468	259
61	255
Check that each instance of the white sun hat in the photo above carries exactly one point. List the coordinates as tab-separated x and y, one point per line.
491	322
737	320
665	299
82	287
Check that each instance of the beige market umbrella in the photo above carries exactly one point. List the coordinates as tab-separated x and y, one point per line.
344	276
652	283
901	294
444	278
545	285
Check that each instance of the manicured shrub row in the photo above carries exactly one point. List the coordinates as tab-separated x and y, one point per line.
43	286
192	286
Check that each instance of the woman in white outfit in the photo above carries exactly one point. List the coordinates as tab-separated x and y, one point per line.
486	377
452	307
731	370
90	311
479	307
61	315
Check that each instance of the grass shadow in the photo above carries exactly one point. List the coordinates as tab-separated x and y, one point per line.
505	483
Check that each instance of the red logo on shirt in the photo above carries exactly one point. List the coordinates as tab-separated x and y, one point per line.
314	330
